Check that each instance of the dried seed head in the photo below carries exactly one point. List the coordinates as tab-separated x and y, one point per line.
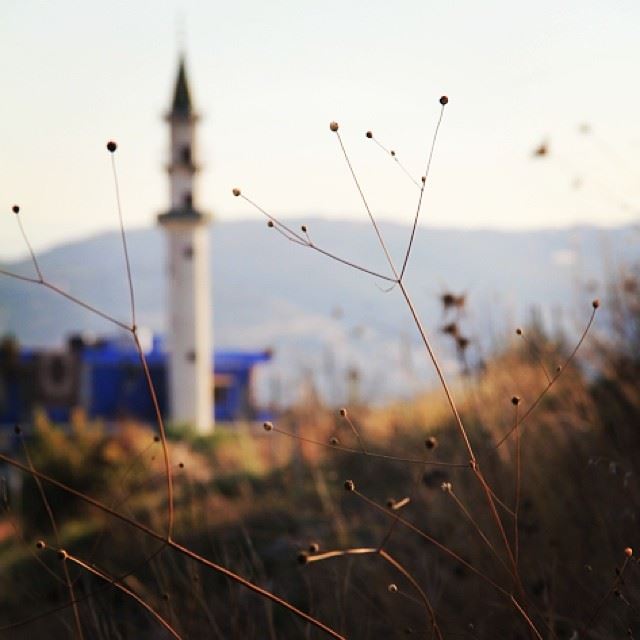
518	331
343	412
392	588
515	401
236	192
40	544
267	426
628	552
303	557
393	153
314	547
111	146
181	465
333	126
424	179
349	485
596	303
62	554
369	134
15	208
333	441
304	228
431	442
270	224
446	487
390	503
558	369
444	100
156	438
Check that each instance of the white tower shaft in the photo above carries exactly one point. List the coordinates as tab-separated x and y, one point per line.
189	331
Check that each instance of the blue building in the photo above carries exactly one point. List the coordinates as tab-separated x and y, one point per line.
105	378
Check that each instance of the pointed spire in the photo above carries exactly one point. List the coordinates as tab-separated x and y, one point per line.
181	106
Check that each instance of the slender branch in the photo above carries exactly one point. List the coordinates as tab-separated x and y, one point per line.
366	205
516	508
173	545
29	247
424	184
554	379
370	454
305	242
54	525
452	554
123	236
339	553
119	585
163	435
439	372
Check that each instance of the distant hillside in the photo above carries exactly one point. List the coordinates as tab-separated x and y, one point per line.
319	315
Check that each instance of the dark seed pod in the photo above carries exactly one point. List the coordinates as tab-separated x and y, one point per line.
111	146
444	100
349	485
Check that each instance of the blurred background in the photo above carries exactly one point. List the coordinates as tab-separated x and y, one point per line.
530	213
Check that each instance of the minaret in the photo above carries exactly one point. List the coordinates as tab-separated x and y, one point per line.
189	329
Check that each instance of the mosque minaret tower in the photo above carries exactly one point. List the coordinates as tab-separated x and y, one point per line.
189	322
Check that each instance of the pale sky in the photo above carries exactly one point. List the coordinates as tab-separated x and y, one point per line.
268	77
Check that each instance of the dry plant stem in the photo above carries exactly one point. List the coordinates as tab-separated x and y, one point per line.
366	206
298	239
30	248
432	614
173	545
116	583
54	525
356	433
516	508
152	392
123	236
68	296
32	553
439	372
370	454
479	531
501	529
452	554
544	392
422	188
338	553
83	597
395	158
163	436
532	627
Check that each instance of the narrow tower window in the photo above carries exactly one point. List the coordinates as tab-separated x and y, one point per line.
187	200
185	154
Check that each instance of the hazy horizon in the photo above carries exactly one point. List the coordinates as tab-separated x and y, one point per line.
269	78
